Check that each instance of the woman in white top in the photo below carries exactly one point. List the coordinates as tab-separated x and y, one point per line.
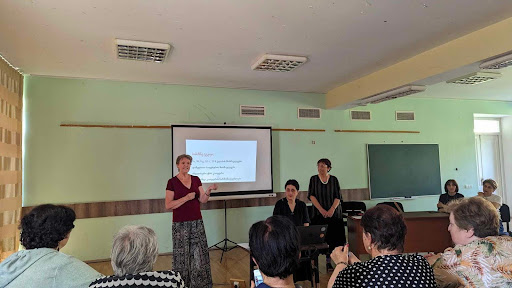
490	186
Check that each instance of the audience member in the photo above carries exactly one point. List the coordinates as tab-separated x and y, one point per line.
480	258
291	207
384	233
489	186
451	189
44	231
134	253
275	248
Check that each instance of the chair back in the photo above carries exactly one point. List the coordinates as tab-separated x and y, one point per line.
505	215
353	207
397	205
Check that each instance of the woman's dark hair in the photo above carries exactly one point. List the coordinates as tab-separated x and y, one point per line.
275	246
452	181
292	182
386	226
46	225
326	161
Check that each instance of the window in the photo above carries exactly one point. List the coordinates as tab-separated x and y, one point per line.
487	126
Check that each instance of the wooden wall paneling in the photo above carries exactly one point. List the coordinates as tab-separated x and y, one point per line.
151	206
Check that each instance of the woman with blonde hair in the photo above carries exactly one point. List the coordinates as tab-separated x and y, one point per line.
183	196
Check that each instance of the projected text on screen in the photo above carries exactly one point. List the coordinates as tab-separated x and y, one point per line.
223	160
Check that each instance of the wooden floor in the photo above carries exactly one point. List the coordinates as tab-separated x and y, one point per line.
235	264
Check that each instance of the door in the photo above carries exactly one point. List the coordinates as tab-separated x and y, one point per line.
488	160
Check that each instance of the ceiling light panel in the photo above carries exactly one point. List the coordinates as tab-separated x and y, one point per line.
278	63
142	51
475	78
498	63
392	94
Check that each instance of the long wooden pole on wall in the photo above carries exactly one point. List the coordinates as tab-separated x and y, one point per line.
11	106
169	127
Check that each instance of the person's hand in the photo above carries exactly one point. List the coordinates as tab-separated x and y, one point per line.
352	258
480	194
330	213
432	258
213	187
340	254
323	212
191	195
252	284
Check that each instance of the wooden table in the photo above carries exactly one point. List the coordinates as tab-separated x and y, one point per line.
426	232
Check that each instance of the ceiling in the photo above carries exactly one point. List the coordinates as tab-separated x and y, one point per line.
216	42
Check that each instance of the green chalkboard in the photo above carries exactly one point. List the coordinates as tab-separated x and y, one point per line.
403	170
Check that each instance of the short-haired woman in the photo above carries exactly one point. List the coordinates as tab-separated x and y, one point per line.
275	248
44	231
480	257
489	186
451	189
183	195
384	233
292	207
134	253
325	193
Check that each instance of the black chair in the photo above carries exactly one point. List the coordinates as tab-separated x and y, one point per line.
350	208
397	205
353	207
505	215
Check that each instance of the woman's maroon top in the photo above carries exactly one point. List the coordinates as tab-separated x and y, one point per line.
190	210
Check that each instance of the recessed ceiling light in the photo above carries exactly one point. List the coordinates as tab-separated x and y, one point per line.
475	78
142	51
278	63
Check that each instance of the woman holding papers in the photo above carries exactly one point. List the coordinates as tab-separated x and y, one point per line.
183	196
325	194
292	207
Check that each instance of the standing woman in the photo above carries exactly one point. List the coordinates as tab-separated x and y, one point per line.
325	194
183	196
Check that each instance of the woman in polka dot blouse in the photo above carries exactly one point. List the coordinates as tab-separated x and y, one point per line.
384	233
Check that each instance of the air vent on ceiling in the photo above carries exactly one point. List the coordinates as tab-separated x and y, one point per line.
360	115
278	63
308	113
252	111
475	78
404	116
497	63
142	51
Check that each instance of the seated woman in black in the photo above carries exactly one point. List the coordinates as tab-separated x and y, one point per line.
292	207
384	233
451	188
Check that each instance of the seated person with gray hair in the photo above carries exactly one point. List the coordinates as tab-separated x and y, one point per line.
134	253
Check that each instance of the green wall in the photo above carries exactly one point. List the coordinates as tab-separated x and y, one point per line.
73	165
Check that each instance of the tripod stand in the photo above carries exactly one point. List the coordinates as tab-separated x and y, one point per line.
225	247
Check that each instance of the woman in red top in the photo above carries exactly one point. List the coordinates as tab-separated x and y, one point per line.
183	196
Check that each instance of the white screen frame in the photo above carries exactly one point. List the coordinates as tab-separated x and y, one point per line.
262	187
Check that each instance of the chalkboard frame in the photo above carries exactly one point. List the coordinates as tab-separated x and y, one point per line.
400	183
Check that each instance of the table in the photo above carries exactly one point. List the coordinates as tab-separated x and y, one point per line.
426	232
